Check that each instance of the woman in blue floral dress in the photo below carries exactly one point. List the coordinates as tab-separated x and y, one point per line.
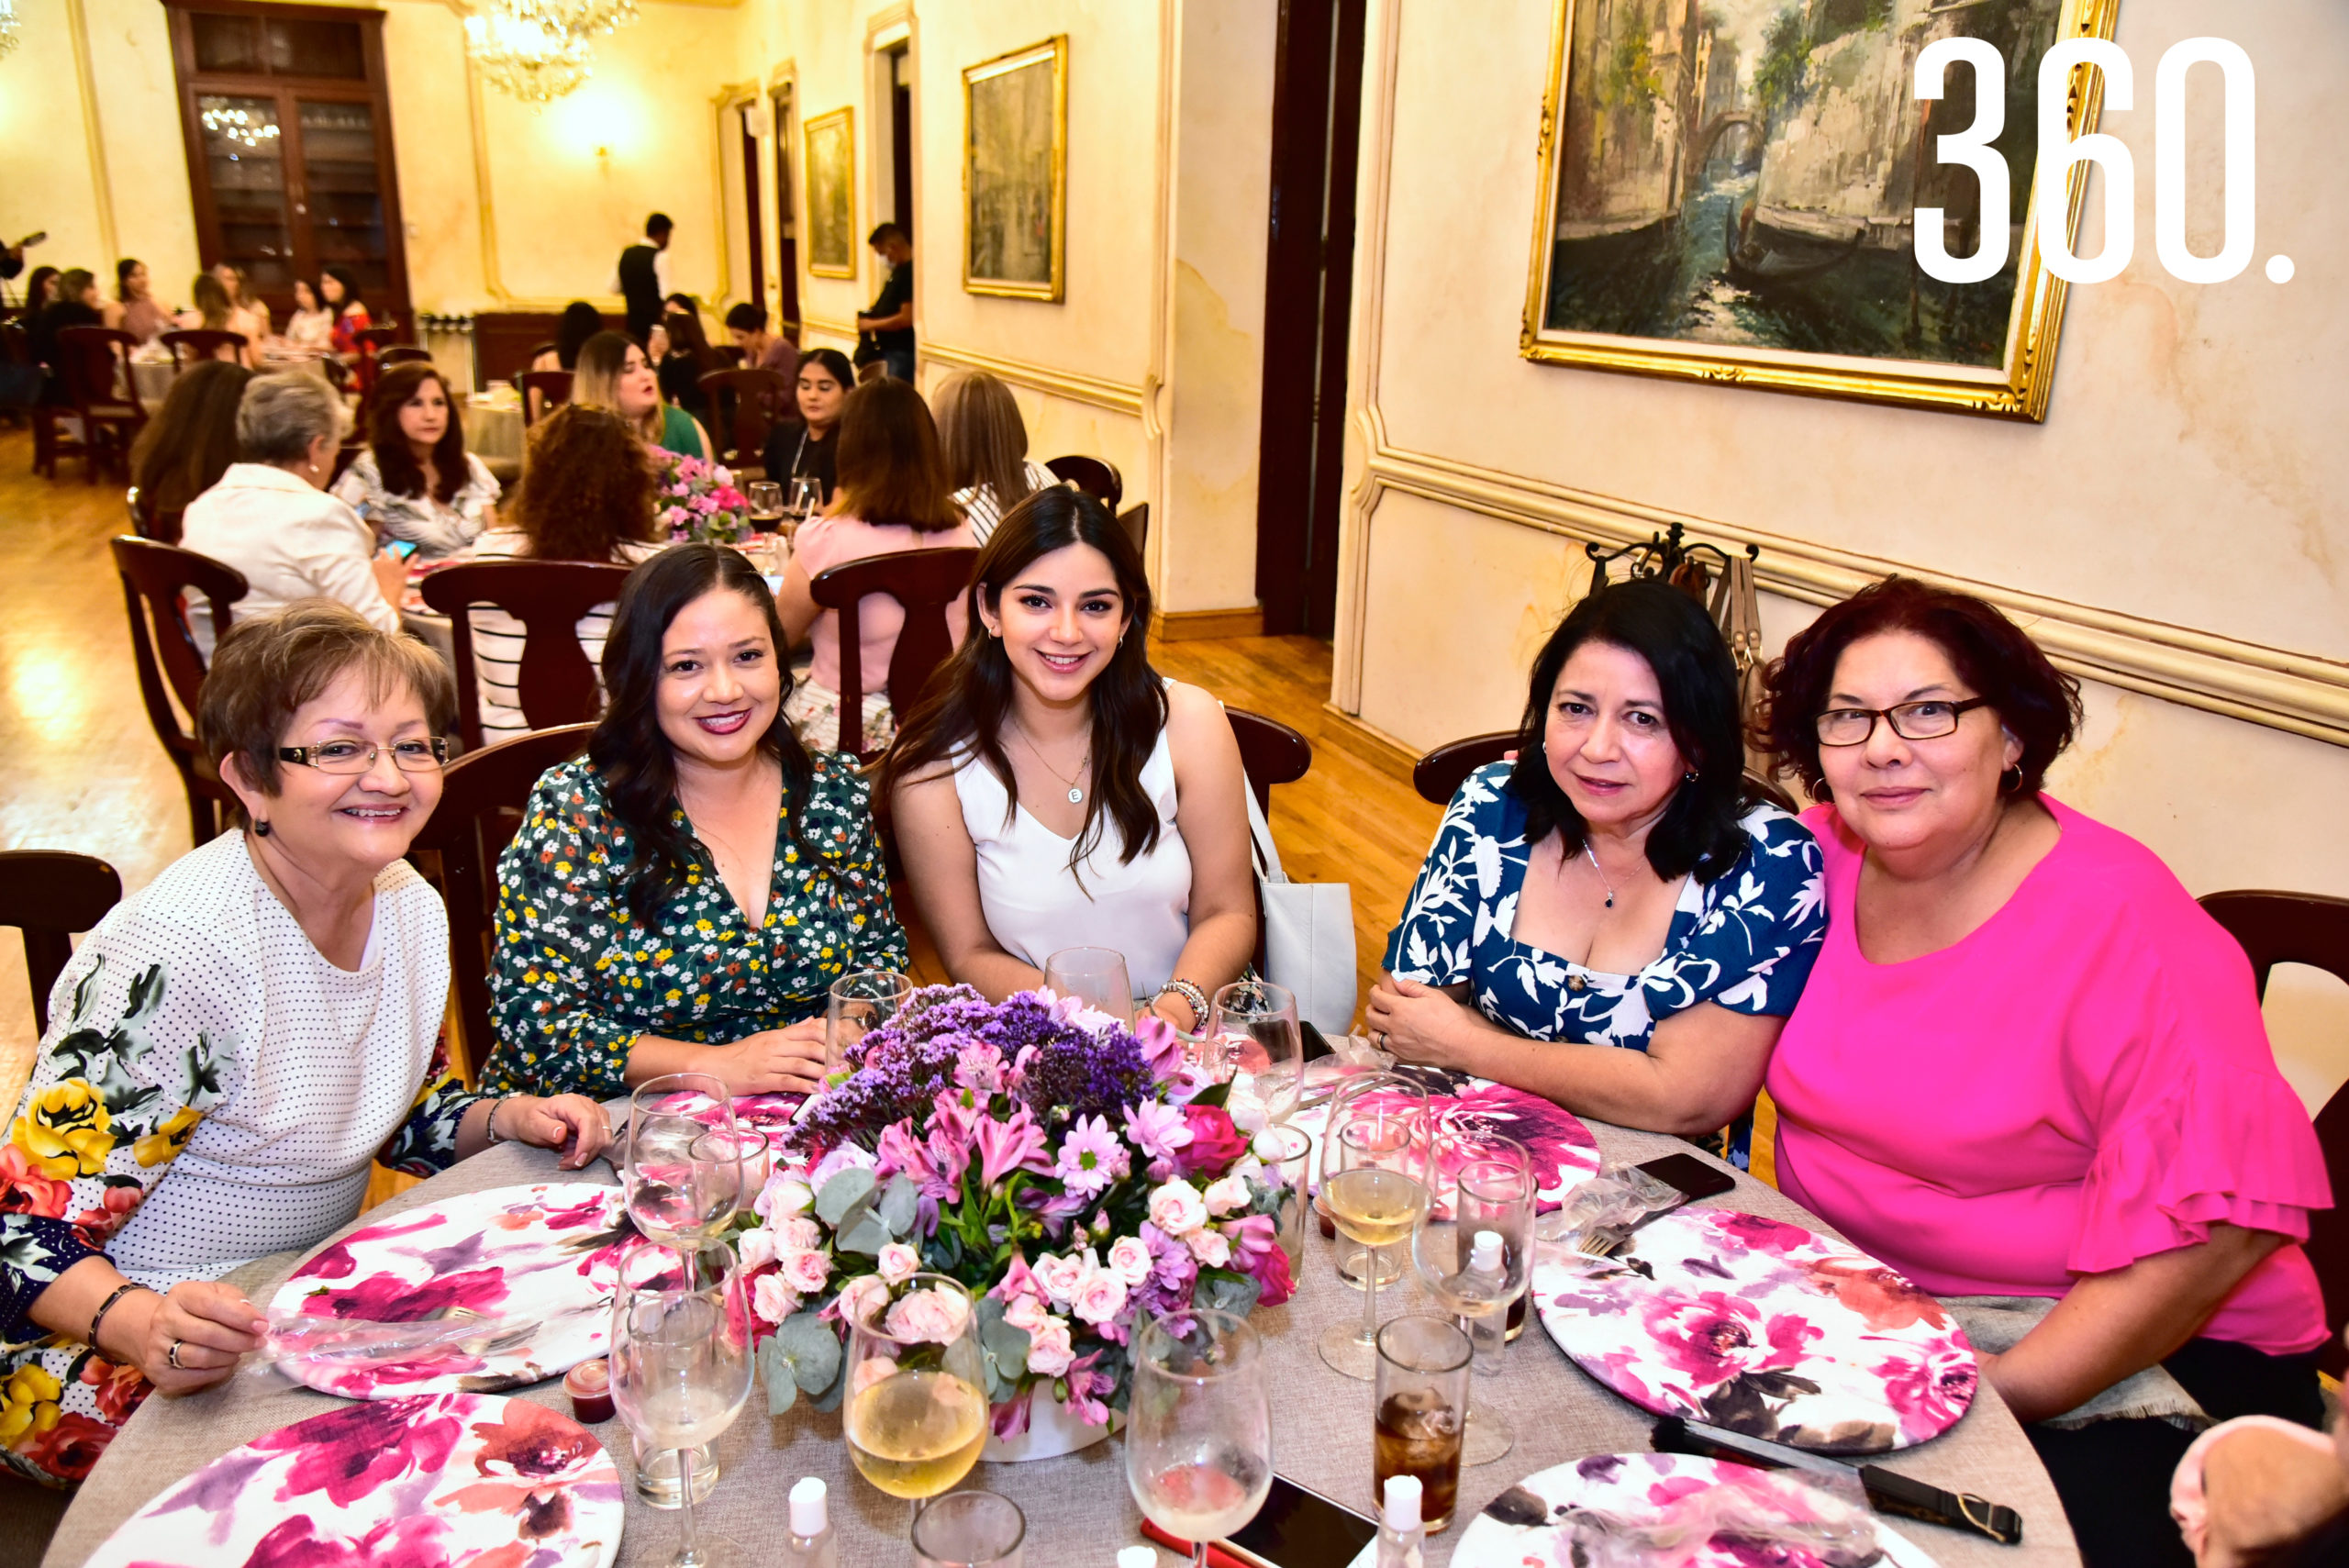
683	898
1616	886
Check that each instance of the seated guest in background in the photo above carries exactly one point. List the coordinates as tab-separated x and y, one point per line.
236	1044
187	447
76	304
588	495
40	289
614	374
1615	886
1051	790
270	519
680	354
416	481
683	898
311	326
134	308
580	322
892	497
762	350
987	451
804	448
2029	1067
242	297
338	291
213	313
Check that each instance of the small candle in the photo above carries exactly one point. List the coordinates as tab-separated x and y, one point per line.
590	1386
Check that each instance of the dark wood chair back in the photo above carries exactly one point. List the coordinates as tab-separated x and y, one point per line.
744	405
49	894
372	342
542	390
925	581
155	578
2310	929
1096	478
1438	775
194	345
1135	520
95	365
148	522
556	683
481	796
1270	751
403	354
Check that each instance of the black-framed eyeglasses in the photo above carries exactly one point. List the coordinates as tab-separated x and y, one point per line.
359	756
1927	720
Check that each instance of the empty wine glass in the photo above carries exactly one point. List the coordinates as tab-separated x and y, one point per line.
1356	1265
915	1413
680	1372
1198	1427
1095	976
1374	1187
1476	1262
1254	1024
683	1173
859	1004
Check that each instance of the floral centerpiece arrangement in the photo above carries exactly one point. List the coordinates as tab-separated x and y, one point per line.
696	500
1067	1170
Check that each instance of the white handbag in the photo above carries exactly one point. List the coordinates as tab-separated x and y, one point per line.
1308	934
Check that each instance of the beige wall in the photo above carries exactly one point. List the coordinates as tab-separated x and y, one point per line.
2176	525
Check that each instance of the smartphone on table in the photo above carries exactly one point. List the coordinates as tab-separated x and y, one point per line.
1691	1175
1297	1527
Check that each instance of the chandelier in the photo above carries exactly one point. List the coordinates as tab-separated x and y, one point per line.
233	125
536	50
9	26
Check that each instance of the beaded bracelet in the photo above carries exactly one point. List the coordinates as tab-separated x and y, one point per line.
125	1288
489	1124
1195	996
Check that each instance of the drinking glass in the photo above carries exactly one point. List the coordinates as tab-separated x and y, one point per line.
1356	1265
766	504
1198	1427
1095	976
859	1003
1376	1157
807	499
681	1371
916	1416
1287	1153
969	1529
1256	1022
683	1187
1423	1393
1476	1263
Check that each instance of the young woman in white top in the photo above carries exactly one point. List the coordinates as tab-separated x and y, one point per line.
986	443
312	325
416	481
1052	790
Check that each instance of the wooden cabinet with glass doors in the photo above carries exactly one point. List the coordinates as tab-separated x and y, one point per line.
289	147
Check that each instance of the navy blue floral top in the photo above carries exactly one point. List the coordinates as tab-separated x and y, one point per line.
1744	941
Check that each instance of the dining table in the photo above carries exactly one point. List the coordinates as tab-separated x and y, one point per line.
1078	1509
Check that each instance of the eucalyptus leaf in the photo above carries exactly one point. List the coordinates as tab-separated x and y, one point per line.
864	1234
830	1399
1226	1291
845	1187
780	1376
898	1206
814	1349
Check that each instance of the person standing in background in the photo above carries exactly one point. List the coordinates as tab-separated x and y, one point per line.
885	331
643	279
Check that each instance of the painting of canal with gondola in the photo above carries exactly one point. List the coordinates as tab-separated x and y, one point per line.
1730	192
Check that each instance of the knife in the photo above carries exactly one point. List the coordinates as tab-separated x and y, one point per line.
1889	1492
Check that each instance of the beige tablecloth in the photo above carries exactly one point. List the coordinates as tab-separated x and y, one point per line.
1078	1510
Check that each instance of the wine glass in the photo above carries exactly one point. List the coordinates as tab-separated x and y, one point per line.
1198	1427
1353	1267
807	499
859	1003
766	504
1254	1022
1375	1158
1476	1262
681	1371
916	1415
1095	976
683	1174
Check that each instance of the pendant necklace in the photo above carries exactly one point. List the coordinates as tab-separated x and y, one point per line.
1075	790
1595	866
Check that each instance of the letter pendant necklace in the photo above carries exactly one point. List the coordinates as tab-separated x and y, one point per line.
1594	866
1075	790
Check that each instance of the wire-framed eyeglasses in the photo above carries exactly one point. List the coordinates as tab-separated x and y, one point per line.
1927	720
425	756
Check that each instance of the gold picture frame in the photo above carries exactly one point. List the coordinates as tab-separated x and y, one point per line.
830	172
1012	177
1603	277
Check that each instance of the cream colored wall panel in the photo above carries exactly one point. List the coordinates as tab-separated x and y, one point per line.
131	57
432	137
46	182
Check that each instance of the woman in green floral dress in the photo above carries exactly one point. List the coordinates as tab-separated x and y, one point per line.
682	898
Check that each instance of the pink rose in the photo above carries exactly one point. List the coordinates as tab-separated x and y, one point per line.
1215	1141
772	1299
1049	1349
1060	1276
1100	1297
756	1249
806	1270
899	1262
1209	1246
1129	1259
1227	1196
798	1232
1025	1312
860	1298
931	1317
784	1195
1177	1209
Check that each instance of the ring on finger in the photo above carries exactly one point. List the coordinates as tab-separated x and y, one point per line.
173	1356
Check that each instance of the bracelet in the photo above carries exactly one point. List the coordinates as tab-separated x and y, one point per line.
490	1126
1194	996
125	1288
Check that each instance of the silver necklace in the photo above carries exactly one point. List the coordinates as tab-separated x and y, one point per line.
1602	874
1075	790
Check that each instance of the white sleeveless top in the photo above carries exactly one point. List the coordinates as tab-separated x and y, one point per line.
1033	902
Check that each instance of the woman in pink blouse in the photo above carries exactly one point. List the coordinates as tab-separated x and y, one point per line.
2028	1066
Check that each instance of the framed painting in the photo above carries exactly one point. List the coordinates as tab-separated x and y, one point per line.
1015	173
1728	191
831	194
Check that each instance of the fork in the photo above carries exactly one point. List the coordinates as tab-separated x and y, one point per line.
1605	1242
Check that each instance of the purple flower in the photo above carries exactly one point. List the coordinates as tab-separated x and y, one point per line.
1157	1129
1091	1157
979	1066
903	1153
1015	1144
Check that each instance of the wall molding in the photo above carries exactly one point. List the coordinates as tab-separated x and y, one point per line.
1191	626
1074	385
77	30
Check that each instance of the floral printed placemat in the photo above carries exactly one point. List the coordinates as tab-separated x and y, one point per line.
1763	1328
1530	1523
770	1114
550	1253
422	1482
1565	1154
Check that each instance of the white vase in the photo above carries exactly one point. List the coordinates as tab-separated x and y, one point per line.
1052	1431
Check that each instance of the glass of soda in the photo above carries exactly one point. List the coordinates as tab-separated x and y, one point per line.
1422	1405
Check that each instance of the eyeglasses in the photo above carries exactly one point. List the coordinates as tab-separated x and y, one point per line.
359	756
1910	720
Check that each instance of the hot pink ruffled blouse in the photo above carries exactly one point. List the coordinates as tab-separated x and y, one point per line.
2081	1082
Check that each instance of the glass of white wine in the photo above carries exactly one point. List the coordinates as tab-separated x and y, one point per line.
1358	1263
1198	1427
1372	1184
916	1415
680	1372
1474	1250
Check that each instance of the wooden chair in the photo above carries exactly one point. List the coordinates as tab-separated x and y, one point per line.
744	405
372	341
481	796
148	522
49	894
49	441
403	354
2310	929
1271	752
542	390
1439	774
194	345
94	362
925	581
556	683
1135	520
154	577
1098	478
